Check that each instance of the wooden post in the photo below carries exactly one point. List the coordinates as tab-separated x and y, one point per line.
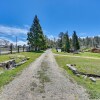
18	49
11	48
23	47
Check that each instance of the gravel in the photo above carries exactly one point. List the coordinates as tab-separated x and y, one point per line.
43	80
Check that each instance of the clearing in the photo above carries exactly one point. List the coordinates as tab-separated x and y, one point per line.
43	80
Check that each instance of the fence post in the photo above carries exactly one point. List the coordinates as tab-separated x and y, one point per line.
29	48
23	48
11	48
0	50
18	49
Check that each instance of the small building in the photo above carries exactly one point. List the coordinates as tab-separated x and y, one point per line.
58	50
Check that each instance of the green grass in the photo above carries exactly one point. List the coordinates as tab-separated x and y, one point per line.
85	54
91	66
84	65
43	77
17	56
9	75
4	58
42	73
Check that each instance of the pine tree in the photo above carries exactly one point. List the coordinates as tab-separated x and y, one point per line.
61	39
67	42
35	37
75	42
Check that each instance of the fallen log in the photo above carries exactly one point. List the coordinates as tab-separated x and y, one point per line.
7	64
71	67
89	75
75	71
20	63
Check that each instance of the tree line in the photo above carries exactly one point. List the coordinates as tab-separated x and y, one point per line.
90	42
38	41
68	44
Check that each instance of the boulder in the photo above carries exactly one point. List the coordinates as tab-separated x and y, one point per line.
92	79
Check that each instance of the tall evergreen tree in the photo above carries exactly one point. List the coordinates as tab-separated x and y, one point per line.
61	39
35	36
67	42
75	42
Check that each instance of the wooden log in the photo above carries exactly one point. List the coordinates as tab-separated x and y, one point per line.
75	71
8	64
89	75
20	63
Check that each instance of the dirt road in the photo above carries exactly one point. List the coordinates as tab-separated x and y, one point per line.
43	80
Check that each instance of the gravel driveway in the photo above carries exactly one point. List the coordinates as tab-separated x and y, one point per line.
43	80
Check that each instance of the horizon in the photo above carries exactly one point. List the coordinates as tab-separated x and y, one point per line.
55	17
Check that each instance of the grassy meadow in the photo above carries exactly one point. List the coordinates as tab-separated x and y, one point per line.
9	75
91	66
81	54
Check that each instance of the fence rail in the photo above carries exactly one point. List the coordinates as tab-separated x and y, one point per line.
8	50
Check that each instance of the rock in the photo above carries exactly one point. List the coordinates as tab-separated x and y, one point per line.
0	64
92	79
78	75
85	76
71	67
23	60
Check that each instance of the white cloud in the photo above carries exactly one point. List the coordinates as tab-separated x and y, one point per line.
12	30
50	36
4	38
5	31
18	42
46	32
82	37
27	27
22	42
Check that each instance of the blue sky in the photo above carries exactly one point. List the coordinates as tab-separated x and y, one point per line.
55	16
